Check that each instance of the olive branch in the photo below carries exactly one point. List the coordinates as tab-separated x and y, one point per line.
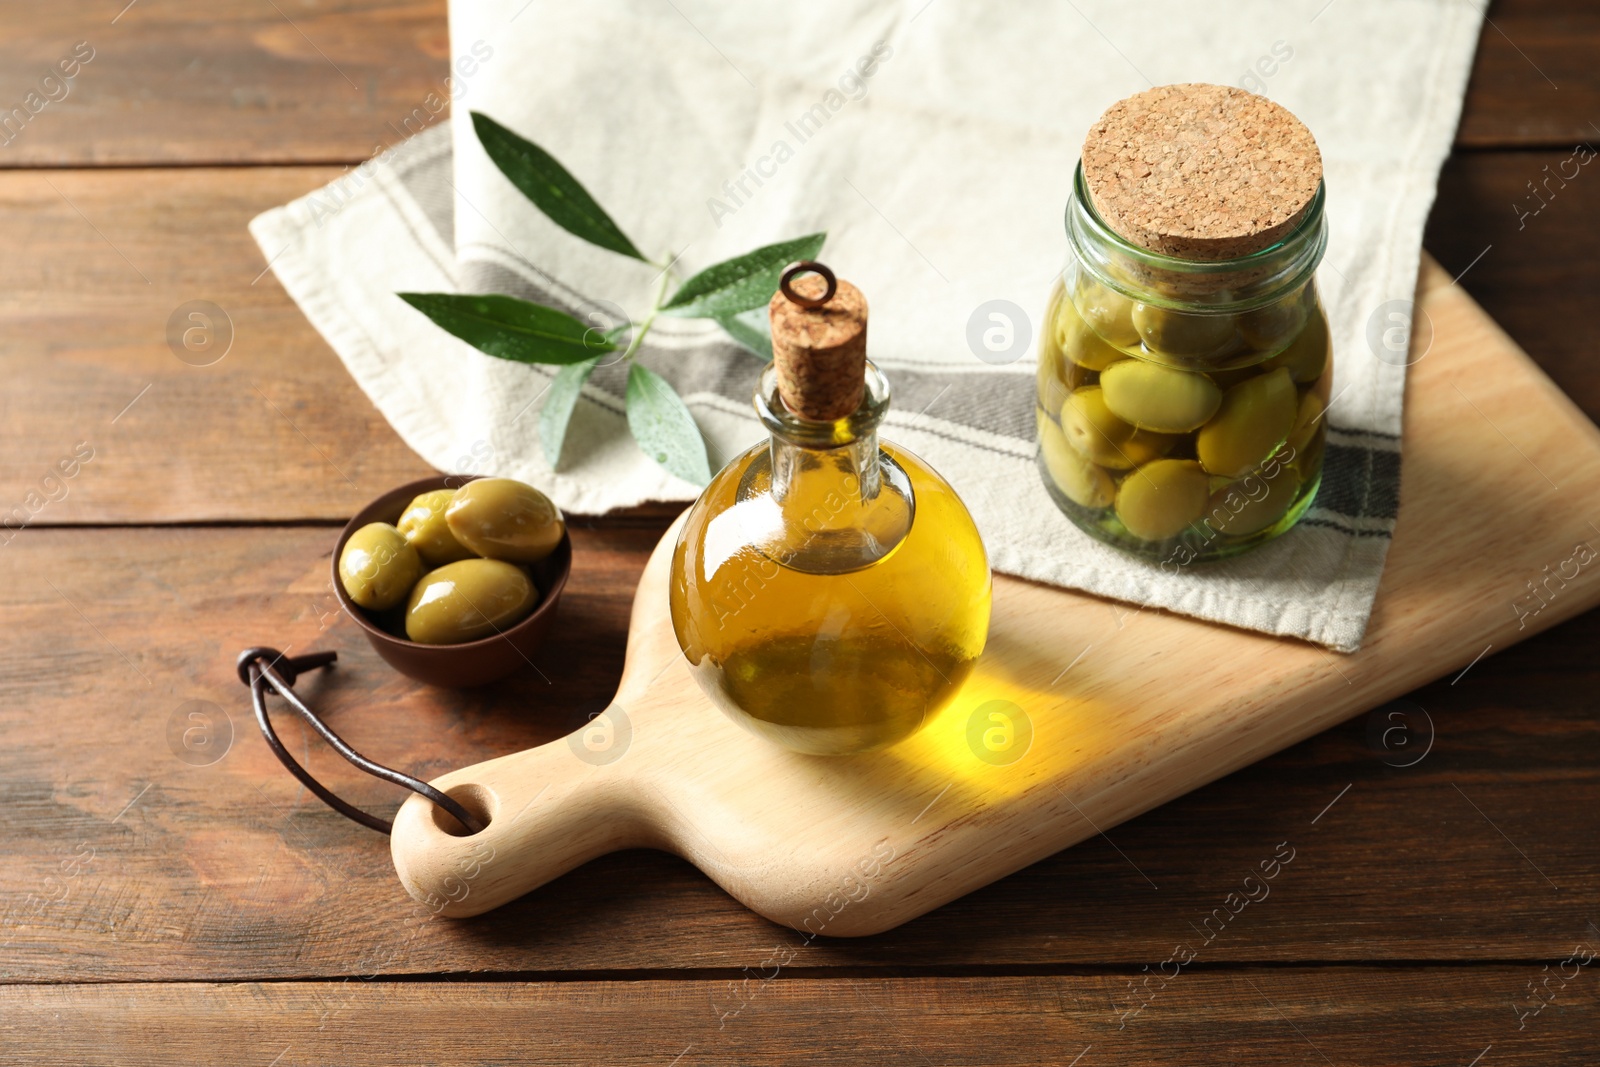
525	332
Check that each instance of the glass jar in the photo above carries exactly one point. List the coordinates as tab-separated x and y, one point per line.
1180	402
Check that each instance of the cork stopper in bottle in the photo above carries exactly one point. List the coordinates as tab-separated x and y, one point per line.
1202	172
819	342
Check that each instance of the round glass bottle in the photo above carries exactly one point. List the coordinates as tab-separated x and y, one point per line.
1180	397
829	589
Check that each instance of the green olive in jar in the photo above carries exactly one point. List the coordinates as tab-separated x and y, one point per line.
1270	328
468	600
1079	480
1306	421
1227	379
1160	499
424	527
1146	445
499	518
1108	313
1183	335
1091	428
1307	356
1308	436
1053	372
377	567
1080	344
1104	439
1159	398
1058	377
1255	417
1051	389
1253	503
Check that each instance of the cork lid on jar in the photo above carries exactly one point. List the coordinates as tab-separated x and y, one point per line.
1202	172
819	342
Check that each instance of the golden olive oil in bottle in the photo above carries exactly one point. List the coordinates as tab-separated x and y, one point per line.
829	590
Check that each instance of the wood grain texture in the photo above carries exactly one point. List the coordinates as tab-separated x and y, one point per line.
231	871
1533	79
121	861
1417	1016
1527	254
272	431
225	81
235	81
100	262
1159	705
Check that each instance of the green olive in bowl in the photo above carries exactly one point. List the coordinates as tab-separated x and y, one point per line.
468	599
471	663
378	567
504	519
424	527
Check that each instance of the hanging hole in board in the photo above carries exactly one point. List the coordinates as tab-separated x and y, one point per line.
479	801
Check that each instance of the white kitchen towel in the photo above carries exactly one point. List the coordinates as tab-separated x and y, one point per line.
940	169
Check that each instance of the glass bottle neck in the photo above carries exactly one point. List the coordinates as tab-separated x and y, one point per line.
805	482
836	501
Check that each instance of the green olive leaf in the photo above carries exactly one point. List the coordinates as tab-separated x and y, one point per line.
509	328
663	426
741	283
750	329
560	399
550	186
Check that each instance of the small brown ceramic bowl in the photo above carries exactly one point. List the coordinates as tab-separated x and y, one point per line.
471	662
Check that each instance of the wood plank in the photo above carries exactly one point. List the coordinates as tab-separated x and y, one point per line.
273	430
1529	257
230	870
1420	1017
234	81
1534	81
223	81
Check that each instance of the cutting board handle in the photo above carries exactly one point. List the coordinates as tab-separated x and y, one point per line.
548	809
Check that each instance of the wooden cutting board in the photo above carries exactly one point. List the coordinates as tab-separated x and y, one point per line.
1501	479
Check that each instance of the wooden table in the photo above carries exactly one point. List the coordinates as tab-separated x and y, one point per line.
165	907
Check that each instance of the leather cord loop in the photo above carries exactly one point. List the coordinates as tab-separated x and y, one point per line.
266	668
